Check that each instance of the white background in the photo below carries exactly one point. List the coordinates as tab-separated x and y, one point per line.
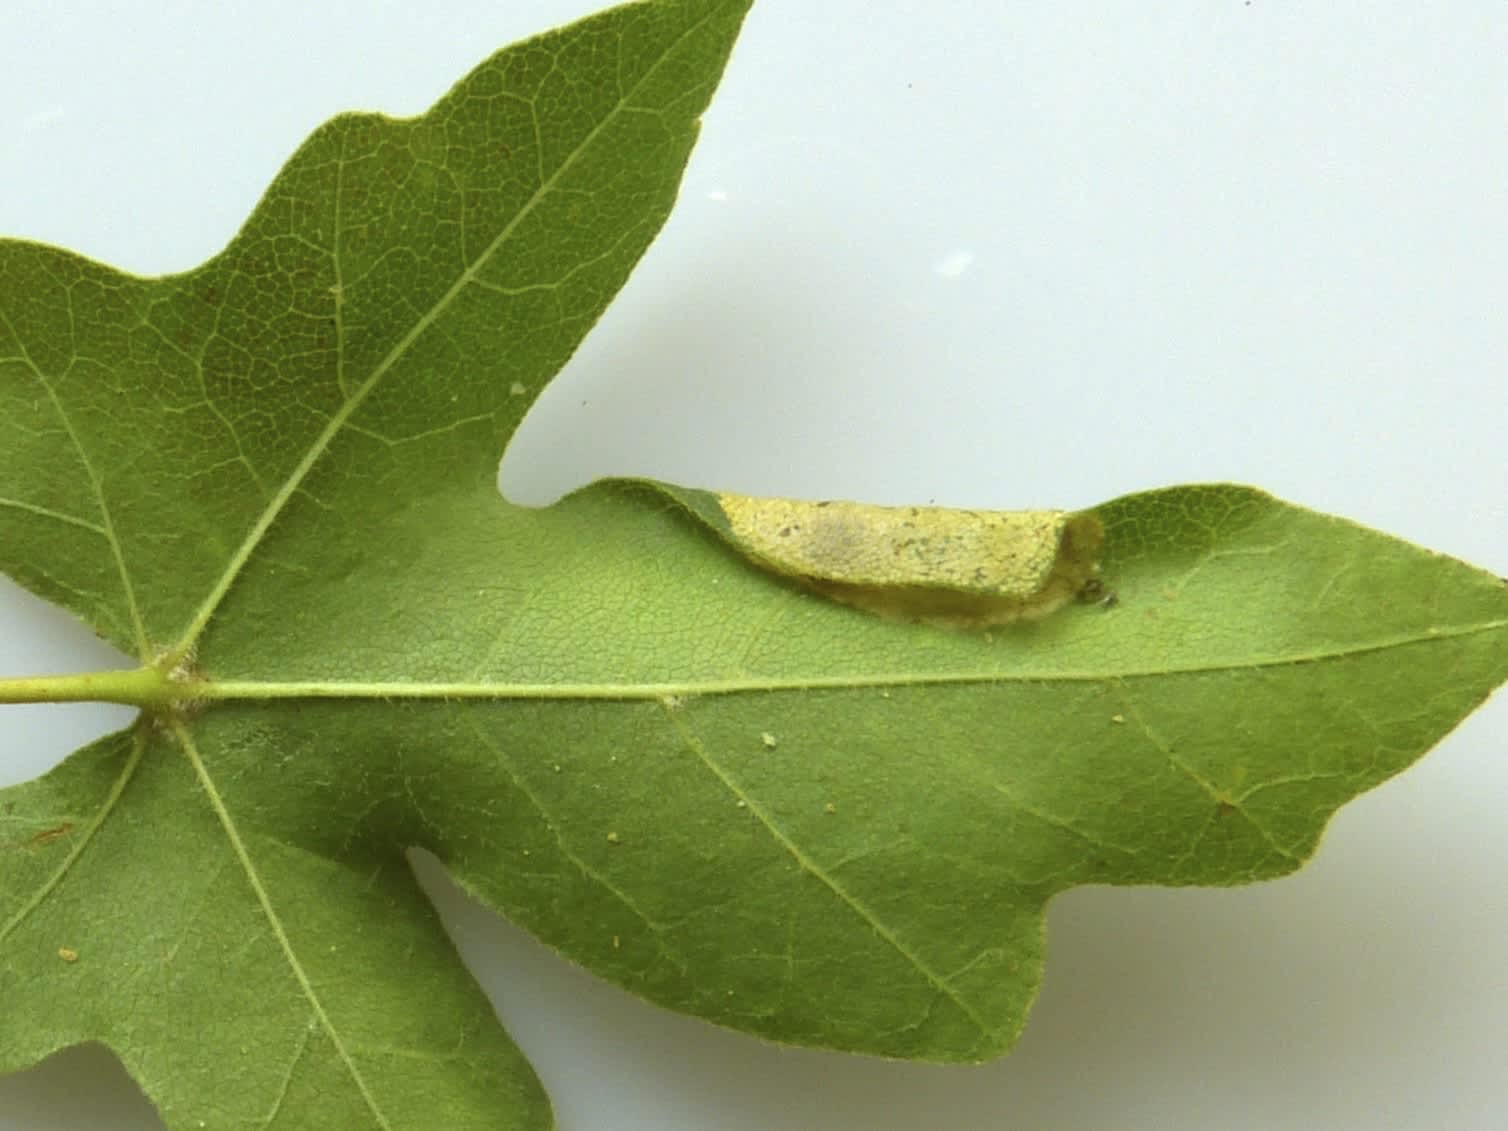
1008	254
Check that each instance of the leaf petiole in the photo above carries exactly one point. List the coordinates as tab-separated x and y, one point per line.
146	687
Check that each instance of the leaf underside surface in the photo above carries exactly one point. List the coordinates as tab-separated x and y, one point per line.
272	479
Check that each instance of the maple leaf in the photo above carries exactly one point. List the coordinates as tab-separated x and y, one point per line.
271	481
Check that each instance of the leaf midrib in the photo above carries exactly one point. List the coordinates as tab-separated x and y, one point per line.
232	689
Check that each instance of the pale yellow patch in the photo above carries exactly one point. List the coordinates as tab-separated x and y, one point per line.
959	568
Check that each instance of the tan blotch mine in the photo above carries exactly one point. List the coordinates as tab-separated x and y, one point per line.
958	568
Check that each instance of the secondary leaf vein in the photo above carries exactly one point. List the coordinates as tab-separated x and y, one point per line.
677	717
143	648
47	512
586	870
117	788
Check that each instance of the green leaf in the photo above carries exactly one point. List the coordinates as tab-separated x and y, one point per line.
271	480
